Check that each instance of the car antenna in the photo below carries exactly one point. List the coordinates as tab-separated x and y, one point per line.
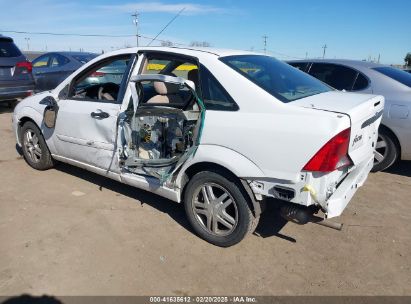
171	21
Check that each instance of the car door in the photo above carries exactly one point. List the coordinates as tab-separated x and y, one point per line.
86	123
40	69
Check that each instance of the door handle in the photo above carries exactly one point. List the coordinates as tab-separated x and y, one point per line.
99	115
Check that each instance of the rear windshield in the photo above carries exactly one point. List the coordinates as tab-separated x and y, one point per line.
84	58
396	74
8	49
281	80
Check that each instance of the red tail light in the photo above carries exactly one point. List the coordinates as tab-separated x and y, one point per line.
97	74
333	155
25	65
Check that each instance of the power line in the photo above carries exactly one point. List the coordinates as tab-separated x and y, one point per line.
86	35
171	21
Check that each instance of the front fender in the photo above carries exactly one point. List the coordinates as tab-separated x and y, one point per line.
36	116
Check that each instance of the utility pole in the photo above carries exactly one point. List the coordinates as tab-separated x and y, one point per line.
27	41
324	48
135	21
306	55
265	43
379	57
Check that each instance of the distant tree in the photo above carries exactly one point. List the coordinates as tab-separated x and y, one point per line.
407	60
200	43
166	43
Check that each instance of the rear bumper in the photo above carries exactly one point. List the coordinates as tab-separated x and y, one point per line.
346	190
9	93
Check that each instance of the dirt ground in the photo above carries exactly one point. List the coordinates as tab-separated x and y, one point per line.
66	231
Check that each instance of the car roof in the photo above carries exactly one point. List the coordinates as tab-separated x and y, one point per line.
348	62
67	53
5	38
189	51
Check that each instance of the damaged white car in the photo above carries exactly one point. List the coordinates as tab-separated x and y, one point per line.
218	130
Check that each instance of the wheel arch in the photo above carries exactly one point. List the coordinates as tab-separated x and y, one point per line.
195	168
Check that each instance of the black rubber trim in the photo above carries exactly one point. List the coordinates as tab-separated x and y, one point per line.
371	120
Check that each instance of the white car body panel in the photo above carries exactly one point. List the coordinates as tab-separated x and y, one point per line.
266	142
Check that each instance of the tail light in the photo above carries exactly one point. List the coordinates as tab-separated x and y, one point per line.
24	66
333	155
98	74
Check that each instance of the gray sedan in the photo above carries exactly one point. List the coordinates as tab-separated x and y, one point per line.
394	140
50	69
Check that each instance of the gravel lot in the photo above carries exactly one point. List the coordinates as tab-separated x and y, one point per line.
66	231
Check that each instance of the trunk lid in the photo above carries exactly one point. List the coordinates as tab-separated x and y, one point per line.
365	112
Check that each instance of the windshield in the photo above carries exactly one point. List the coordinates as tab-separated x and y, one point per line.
84	58
281	80
396	74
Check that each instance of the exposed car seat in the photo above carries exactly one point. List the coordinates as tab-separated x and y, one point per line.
166	93
193	76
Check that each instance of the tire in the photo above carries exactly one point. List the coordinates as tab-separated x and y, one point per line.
386	151
35	150
228	206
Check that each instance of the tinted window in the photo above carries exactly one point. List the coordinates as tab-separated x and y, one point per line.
41	62
58	61
278	78
8	49
300	65
214	96
396	74
360	83
337	76
84	58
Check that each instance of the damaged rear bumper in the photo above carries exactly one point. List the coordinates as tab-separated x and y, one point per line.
331	192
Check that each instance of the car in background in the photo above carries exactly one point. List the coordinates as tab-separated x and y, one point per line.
16	80
394	141
50	69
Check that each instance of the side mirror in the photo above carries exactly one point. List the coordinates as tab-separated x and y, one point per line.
50	112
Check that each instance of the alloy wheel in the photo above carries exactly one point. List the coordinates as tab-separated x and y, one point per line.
32	146
215	209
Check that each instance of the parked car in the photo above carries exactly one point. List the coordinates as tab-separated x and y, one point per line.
241	127
50	69
394	141
16	80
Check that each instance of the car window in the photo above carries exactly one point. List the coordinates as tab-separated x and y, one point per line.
214	96
183	70
8	49
337	76
84	58
41	62
396	74
361	83
300	65
103	81
276	77
58	61
155	66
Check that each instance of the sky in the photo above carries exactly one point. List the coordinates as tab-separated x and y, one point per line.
352	29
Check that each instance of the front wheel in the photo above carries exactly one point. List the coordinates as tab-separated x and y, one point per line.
217	209
35	150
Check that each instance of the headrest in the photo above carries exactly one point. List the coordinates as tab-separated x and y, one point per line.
165	88
193	75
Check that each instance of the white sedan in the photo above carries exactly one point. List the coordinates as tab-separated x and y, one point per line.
218	130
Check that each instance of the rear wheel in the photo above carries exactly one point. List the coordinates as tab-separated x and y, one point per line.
35	150
217	209
386	151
